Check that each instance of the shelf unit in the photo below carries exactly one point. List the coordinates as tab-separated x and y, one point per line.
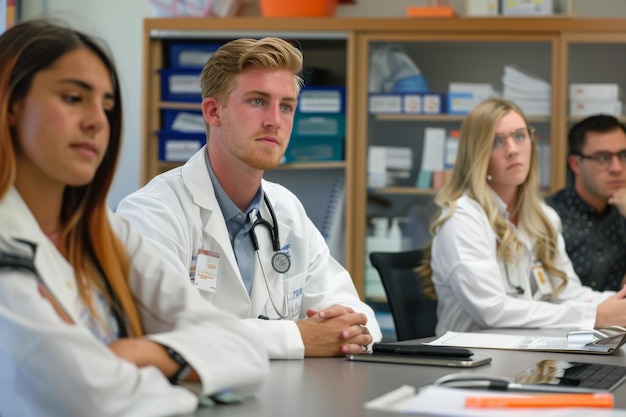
560	49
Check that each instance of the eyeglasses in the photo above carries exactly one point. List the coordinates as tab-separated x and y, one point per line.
519	136
604	158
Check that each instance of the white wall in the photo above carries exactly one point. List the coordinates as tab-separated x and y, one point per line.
120	22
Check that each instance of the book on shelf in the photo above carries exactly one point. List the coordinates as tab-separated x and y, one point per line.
433	153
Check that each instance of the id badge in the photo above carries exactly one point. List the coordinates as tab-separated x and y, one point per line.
207	269
544	287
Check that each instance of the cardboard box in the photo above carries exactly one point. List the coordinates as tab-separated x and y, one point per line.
433	103
527	7
584	108
385	103
412	103
426	103
462	103
580	91
480	8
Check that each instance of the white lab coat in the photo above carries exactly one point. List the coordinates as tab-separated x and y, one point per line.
54	369
472	288
179	211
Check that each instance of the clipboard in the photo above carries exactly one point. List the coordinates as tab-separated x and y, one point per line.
599	346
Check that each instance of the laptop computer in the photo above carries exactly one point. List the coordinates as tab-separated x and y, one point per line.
573	374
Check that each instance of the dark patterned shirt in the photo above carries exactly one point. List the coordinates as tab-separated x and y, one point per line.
596	243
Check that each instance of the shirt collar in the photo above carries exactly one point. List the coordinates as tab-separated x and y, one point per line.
500	204
229	209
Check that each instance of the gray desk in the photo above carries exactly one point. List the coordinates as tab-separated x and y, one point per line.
329	387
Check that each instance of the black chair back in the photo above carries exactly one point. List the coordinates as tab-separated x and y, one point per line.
414	314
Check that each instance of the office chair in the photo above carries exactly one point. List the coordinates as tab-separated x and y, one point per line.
414	314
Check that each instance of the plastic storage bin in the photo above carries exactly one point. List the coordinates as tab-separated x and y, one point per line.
319	136
294	8
180	85
315	148
190	121
322	100
185	55
177	146
319	124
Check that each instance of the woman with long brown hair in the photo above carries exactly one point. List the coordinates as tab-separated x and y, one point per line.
92	321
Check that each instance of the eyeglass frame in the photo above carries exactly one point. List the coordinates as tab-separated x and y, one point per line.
529	129
621	156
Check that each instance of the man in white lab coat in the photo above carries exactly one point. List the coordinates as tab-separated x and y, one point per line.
247	243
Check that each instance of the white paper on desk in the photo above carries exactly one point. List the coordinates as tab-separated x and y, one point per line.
506	341
443	401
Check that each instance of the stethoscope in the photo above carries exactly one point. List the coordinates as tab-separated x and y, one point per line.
280	261
518	289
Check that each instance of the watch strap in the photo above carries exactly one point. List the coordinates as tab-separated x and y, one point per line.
183	366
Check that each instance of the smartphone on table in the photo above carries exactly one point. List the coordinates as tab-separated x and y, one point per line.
419	354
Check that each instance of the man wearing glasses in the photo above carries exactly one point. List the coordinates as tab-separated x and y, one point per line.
593	207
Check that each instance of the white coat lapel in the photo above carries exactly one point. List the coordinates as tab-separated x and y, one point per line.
198	182
17	221
231	294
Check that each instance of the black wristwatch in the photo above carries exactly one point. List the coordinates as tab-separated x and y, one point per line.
183	366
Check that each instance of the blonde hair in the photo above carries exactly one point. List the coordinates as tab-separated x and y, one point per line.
219	76
25	50
470	177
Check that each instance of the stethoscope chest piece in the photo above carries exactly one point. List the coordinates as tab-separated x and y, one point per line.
281	262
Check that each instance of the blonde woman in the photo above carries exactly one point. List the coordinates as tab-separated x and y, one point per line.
496	258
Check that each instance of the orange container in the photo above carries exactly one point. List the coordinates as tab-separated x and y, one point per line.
295	8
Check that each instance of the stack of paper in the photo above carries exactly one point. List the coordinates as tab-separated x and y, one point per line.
433	400
588	99
387	164
532	94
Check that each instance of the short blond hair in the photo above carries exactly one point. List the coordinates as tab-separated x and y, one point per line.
219	75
